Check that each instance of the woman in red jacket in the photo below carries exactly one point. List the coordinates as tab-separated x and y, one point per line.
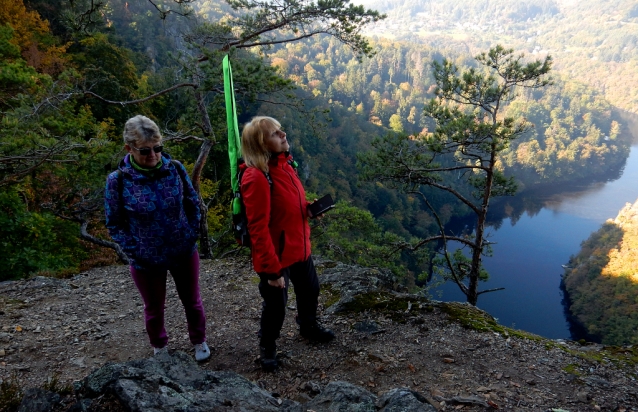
277	213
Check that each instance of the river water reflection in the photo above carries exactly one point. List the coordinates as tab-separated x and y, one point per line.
531	247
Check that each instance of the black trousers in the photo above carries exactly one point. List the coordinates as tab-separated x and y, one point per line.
304	279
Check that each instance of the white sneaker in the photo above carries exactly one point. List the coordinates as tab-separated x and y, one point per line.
202	352
157	351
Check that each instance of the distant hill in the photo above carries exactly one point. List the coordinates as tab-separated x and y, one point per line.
602	281
592	41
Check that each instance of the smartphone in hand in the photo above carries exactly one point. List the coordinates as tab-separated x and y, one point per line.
321	206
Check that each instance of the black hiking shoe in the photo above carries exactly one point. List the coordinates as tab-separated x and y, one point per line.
316	333
268	359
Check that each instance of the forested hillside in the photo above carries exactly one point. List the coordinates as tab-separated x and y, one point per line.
602	281
72	73
575	135
595	42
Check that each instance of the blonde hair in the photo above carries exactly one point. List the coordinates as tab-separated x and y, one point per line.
253	141
139	130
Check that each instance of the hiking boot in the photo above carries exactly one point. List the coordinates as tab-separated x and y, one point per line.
268	359
202	352
316	333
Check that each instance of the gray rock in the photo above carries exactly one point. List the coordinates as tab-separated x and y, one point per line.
312	387
83	406
38	282
404	400
38	400
582	396
352	280
342	396
367	326
176	383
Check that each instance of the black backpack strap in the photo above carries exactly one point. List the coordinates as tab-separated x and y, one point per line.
269	179
120	193
120	183
179	172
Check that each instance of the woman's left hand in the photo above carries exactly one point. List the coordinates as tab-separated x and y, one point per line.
278	283
318	217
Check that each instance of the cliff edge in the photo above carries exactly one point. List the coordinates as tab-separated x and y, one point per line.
451	354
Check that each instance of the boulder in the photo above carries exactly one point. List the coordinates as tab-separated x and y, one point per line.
404	400
38	400
343	396
350	281
176	383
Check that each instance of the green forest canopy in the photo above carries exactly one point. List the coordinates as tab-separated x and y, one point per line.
59	143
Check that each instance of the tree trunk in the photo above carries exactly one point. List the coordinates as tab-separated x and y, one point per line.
209	140
477	250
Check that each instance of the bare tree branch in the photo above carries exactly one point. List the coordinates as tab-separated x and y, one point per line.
154	95
489	290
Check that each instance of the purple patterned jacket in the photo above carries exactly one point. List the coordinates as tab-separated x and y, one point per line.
154	219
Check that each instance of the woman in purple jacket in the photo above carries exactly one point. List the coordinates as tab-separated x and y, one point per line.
153	213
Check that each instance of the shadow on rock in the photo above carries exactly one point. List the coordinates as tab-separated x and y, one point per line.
174	382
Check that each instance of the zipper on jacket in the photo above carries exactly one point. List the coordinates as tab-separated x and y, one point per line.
305	246
282	243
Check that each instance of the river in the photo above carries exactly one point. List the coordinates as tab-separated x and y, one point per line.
529	249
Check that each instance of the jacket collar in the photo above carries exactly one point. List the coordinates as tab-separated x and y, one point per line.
126	167
280	158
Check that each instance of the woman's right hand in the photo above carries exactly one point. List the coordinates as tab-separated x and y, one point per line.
278	283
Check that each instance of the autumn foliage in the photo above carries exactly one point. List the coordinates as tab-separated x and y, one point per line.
603	283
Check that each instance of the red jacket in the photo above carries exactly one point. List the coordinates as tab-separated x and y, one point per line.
277	217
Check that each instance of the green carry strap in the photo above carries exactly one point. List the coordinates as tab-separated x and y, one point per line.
234	143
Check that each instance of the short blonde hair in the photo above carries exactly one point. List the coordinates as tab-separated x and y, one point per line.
139	130
253	141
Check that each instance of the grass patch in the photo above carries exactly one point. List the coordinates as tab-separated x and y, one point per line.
10	394
471	317
331	295
617	355
397	308
53	385
572	369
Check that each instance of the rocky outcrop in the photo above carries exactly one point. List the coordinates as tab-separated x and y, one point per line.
176	383
39	400
55	332
346	282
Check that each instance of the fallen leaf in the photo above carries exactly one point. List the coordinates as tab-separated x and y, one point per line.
412	368
18	328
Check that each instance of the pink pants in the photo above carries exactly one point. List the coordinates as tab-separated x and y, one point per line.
152	286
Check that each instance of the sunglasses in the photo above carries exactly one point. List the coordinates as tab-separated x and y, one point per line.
145	151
